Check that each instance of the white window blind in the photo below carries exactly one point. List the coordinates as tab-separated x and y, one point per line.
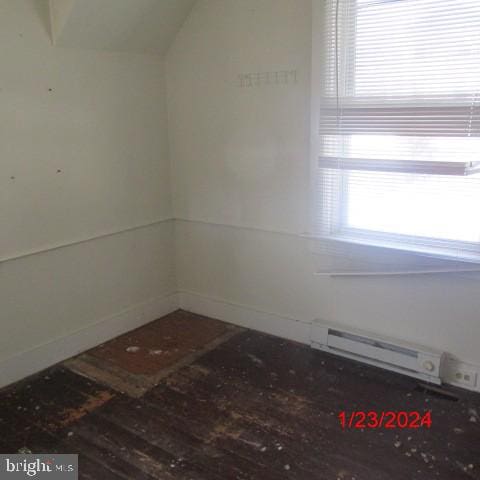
399	126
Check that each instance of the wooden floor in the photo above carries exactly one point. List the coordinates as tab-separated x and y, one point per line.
252	407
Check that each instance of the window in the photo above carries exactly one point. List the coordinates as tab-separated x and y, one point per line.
399	125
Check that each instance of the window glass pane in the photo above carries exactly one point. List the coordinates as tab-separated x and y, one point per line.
401	82
436	206
404	47
391	147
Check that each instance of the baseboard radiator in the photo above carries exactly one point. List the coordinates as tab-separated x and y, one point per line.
415	361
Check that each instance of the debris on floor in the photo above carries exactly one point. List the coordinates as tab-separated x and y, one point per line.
132	349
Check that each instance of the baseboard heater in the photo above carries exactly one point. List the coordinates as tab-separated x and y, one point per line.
415	361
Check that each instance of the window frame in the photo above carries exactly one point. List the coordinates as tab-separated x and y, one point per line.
337	214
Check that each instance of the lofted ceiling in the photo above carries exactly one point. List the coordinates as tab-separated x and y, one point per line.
137	26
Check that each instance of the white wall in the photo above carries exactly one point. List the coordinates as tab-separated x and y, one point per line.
241	175
104	126
240	169
82	133
239	154
139	26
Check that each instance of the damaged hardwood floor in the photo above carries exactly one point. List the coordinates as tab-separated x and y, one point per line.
211	401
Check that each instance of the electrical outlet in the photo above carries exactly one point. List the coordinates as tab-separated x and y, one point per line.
461	374
465	378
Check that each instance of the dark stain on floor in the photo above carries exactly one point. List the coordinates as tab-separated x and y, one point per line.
253	407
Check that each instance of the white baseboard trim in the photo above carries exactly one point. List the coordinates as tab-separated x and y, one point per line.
244	316
32	361
296	330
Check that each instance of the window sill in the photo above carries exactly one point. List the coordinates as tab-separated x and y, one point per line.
344	256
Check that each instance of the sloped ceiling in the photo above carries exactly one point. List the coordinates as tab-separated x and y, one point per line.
140	26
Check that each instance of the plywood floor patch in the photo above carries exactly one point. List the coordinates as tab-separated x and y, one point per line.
135	362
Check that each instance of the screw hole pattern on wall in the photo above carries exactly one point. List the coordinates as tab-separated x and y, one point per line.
261	79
